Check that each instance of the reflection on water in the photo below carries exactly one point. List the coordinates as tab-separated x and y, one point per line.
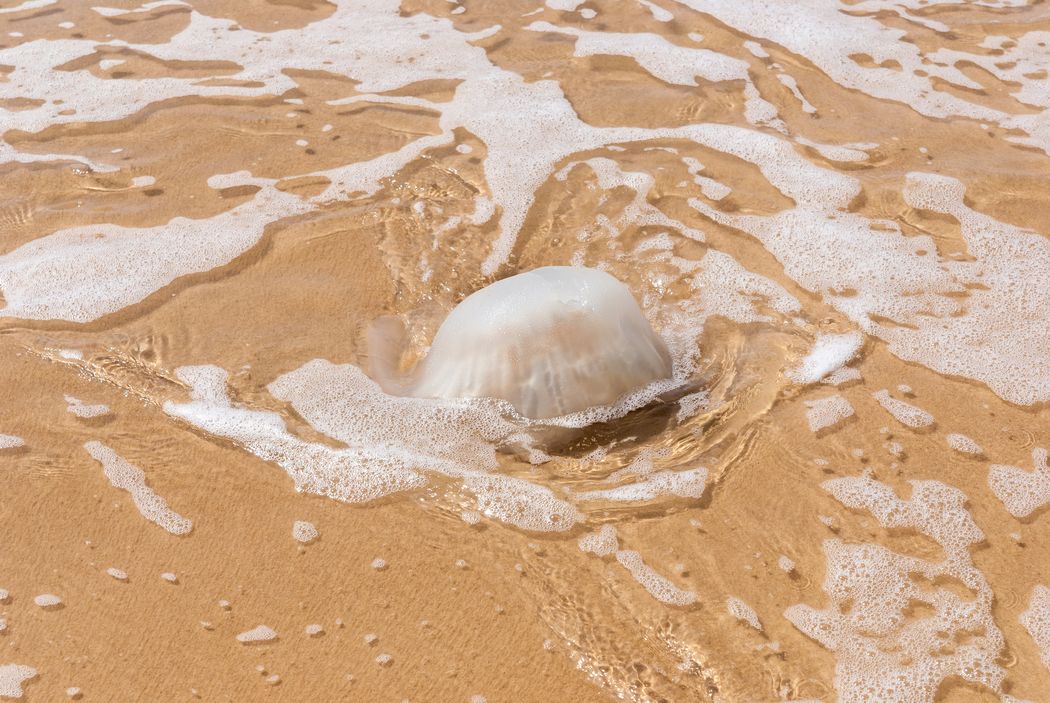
225	227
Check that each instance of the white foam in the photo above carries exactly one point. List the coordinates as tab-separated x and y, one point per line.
118	574
10	441
990	313
743	612
715	190
884	652
602	543
786	564
27	5
131	478
827	412
314	630
847	153
170	577
756	49
904	413
564	5
47	601
1022	492
1037	620
351	475
791	84
13	676
659	14
304	532
688	483
828	37
80	409
829	353
668	62
261	633
846	374
658	587
71	354
82	273
691	404
963	444
389	439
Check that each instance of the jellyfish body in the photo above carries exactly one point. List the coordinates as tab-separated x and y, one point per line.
551	341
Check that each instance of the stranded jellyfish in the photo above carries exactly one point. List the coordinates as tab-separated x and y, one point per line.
551	342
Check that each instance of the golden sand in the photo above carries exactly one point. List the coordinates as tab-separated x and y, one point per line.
484	609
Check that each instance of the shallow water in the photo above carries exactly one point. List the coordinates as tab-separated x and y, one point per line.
835	214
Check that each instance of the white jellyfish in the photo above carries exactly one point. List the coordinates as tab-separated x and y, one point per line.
552	341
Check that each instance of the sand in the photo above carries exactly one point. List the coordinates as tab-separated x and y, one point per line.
467	604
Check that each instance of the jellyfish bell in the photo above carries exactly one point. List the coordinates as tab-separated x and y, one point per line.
551	342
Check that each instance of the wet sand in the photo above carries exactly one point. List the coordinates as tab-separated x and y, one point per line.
468	603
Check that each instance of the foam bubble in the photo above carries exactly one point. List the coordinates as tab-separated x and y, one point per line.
904	413
827	412
10	441
659	587
1037	620
118	574
659	14
85	258
1022	492
846	374
314	630
991	313
786	564
602	543
791	84
712	189
304	532
261	633
80	409
743	612
386	449
564	5
883	650
132	479
12	677
27	5
689	483
829	353
170	577
963	444
664	60
47	601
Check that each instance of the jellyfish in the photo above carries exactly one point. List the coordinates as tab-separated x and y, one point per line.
552	341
